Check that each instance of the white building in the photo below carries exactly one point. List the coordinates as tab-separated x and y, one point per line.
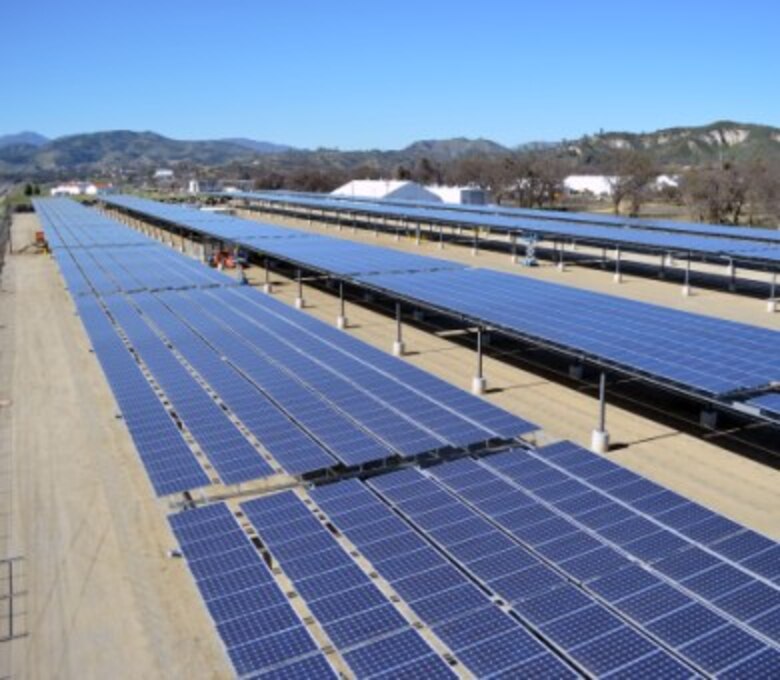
80	189
598	185
163	174
460	195
193	187
399	190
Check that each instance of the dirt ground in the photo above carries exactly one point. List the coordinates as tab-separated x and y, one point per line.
103	600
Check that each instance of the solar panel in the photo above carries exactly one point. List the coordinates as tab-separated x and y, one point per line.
257	625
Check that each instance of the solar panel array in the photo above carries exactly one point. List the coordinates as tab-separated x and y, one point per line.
714	245
256	388
768	235
693	353
317	252
706	354
548	562
261	631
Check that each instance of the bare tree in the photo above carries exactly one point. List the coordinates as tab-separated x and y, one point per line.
634	172
716	193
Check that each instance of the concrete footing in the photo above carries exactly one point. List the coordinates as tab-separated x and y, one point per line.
478	385
399	348
299	303
686	291
268	288
771	306
617	278
341	322
599	441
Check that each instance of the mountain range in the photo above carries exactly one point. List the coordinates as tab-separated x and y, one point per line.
122	152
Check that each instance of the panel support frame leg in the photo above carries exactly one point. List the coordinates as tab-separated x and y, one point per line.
600	436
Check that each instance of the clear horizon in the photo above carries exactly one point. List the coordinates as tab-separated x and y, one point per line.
352	76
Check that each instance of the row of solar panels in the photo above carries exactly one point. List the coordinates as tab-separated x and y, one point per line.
321	252
747	251
311	396
694	353
530	563
767	235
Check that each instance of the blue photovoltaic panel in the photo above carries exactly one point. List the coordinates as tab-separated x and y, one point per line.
438	593
320	252
725	356
730	244
169	462
288	444
621	221
358	618
259	628
234	458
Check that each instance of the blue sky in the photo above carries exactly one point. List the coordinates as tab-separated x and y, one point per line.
351	74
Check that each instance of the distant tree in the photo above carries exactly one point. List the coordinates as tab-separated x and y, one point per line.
716	193
427	171
762	180
633	173
402	172
538	179
28	189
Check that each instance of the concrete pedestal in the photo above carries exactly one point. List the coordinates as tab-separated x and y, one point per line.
618	278
268	288
478	385
341	322
686	291
561	267
299	303
399	348
771	306
474	252
599	441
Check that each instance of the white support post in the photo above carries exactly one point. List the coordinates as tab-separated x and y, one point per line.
600	436
771	305
478	384
341	321
267	287
398	345
299	301
618	276
686	290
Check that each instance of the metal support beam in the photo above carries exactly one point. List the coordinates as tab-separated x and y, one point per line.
398	345
618	276
475	247
662	269
686	290
299	302
267	287
771	305
341	321
600	436
441	237
478	384
513	238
